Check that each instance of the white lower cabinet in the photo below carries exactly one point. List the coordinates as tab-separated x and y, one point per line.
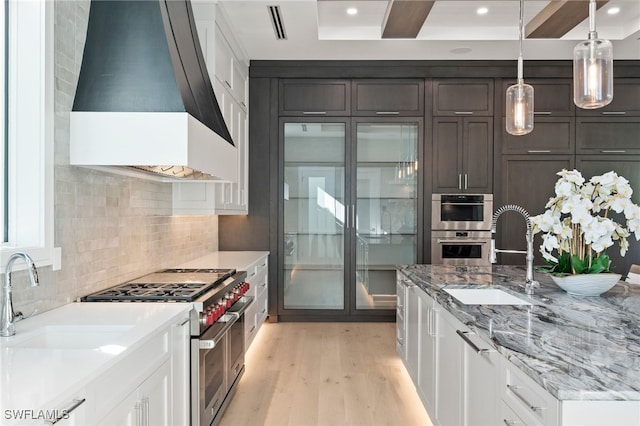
481	368
148	405
449	372
401	328
427	351
256	314
412	324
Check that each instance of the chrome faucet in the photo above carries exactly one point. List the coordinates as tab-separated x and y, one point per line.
7	327
530	283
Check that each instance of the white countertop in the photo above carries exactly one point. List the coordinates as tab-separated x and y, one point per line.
83	341
239	260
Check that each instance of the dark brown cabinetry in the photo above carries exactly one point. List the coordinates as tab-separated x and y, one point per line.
608	135
387	97
528	181
551	135
314	97
626	100
463	97
462	153
626	166
552	97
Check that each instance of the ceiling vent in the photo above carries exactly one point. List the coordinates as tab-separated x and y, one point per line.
276	21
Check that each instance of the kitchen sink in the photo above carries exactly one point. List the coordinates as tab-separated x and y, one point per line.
78	337
485	296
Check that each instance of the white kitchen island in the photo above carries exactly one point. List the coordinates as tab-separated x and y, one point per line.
556	360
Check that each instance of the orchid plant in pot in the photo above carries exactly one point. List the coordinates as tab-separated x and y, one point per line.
576	227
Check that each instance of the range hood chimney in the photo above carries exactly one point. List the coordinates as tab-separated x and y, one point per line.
144	98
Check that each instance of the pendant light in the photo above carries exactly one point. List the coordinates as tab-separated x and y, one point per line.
519	110
593	68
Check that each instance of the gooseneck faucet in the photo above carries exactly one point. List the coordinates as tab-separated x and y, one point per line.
530	283
7	327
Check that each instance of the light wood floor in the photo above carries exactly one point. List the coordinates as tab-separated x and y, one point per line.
300	374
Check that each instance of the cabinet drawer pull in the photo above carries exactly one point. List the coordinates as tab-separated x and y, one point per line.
613	151
511	422
463	334
263	265
263	285
314	112
227	83
614	112
64	413
541	112
252	328
400	341
243	104
183	322
539	151
387	112
263	311
513	389
463	112
252	275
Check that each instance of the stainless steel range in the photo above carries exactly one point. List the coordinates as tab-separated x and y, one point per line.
217	328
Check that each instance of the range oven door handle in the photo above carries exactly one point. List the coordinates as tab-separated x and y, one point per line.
209	343
461	241
246	301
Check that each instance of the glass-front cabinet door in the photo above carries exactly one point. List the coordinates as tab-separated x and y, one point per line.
315	212
386	189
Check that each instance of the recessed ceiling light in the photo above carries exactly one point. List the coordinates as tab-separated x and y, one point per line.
482	10
352	11
613	10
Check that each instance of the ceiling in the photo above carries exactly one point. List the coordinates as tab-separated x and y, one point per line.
322	30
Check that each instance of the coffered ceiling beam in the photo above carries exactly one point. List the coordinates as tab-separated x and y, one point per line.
405	18
559	17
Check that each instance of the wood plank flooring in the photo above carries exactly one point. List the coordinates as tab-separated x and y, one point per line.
300	374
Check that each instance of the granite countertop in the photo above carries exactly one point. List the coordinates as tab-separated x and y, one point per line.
577	348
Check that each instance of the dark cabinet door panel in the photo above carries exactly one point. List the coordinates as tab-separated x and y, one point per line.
477	155
447	146
550	96
314	97
528	181
551	135
463	97
608	135
388	97
626	100
629	167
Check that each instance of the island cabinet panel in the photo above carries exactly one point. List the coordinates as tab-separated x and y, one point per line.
450	375
528	399
462	154
626	166
413	329
314	97
426	383
482	364
552	96
608	135
626	100
527	181
550	135
463	97
387	97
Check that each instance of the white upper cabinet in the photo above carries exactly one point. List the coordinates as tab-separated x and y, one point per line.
228	70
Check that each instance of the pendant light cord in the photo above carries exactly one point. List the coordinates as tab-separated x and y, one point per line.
520	66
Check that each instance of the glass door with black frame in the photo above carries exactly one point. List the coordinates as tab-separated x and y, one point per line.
315	214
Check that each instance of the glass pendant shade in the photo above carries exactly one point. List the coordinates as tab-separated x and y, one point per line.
519	109
593	74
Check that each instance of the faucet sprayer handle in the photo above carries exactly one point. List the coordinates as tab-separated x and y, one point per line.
492	251
33	276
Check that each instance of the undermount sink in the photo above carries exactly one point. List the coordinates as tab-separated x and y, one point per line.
485	296
84	337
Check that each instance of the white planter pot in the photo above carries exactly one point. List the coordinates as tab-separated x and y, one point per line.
587	284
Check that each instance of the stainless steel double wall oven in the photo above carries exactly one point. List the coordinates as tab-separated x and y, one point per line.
217	328
461	229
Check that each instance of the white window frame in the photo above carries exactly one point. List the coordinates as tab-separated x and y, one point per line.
31	132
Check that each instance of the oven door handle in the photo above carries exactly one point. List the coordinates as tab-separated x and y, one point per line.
207	344
461	241
248	301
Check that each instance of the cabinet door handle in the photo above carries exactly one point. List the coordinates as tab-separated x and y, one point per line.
613	151
511	422
353	215
387	112
459	181
539	151
514	390
466	181
541	112
463	112
64	413
613	112
463	334
138	410
314	112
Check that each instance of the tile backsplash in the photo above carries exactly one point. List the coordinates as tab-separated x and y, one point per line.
111	228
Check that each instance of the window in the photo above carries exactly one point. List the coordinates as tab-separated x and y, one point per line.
27	148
